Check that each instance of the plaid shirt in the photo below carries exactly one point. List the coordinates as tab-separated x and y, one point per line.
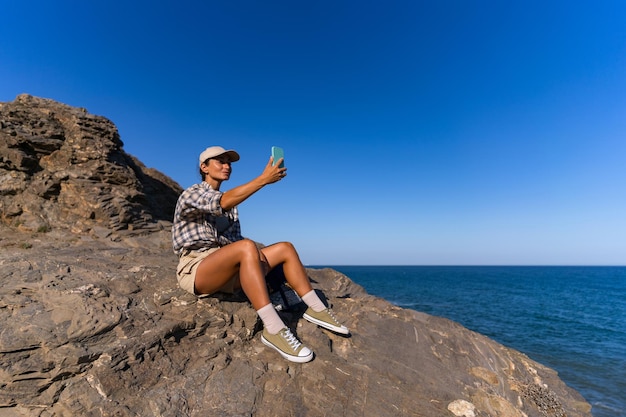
200	223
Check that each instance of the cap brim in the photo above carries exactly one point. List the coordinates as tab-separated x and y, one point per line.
232	155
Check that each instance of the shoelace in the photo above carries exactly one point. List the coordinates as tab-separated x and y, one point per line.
291	339
332	316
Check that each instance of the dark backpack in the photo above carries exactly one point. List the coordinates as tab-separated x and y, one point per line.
282	296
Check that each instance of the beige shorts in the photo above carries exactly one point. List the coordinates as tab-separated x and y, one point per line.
187	267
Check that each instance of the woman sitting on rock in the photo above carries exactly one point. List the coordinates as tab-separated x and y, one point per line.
213	256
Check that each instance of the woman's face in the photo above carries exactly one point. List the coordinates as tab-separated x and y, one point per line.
218	168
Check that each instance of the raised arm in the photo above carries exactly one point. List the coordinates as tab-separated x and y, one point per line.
270	175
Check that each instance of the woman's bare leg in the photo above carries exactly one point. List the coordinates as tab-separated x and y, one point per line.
318	312
244	257
284	253
241	257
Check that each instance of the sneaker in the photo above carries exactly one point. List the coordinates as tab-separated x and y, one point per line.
325	319
287	345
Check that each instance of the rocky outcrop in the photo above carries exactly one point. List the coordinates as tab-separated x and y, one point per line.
63	167
92	324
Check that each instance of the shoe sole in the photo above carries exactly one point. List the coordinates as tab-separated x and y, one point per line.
291	358
328	326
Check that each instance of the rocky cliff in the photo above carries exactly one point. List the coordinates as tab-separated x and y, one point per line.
92	323
63	167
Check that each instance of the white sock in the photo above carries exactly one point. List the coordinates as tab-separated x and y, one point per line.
270	318
312	300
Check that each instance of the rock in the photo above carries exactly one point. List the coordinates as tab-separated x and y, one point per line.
93	323
62	167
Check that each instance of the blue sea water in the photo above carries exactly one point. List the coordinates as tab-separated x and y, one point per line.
571	319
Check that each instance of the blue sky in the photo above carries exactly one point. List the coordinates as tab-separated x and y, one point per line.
442	132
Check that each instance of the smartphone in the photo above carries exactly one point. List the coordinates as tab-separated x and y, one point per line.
278	153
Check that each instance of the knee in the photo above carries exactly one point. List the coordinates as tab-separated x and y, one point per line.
287	247
249	247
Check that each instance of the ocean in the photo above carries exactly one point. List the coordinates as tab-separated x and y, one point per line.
571	319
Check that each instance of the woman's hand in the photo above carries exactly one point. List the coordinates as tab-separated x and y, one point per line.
273	173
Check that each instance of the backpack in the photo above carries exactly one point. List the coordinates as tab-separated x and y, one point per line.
282	296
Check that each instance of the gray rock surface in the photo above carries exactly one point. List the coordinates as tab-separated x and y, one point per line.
93	324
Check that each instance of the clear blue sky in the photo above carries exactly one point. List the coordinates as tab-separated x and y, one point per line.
441	132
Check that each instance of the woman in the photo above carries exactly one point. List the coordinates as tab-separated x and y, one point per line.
213	256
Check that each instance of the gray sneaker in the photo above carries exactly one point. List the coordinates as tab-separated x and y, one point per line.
287	345
326	319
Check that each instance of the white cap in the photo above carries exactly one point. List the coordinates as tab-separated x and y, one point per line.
214	151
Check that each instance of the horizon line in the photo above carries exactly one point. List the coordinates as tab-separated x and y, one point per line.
480	265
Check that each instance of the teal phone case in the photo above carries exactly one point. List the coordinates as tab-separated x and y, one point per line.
278	153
